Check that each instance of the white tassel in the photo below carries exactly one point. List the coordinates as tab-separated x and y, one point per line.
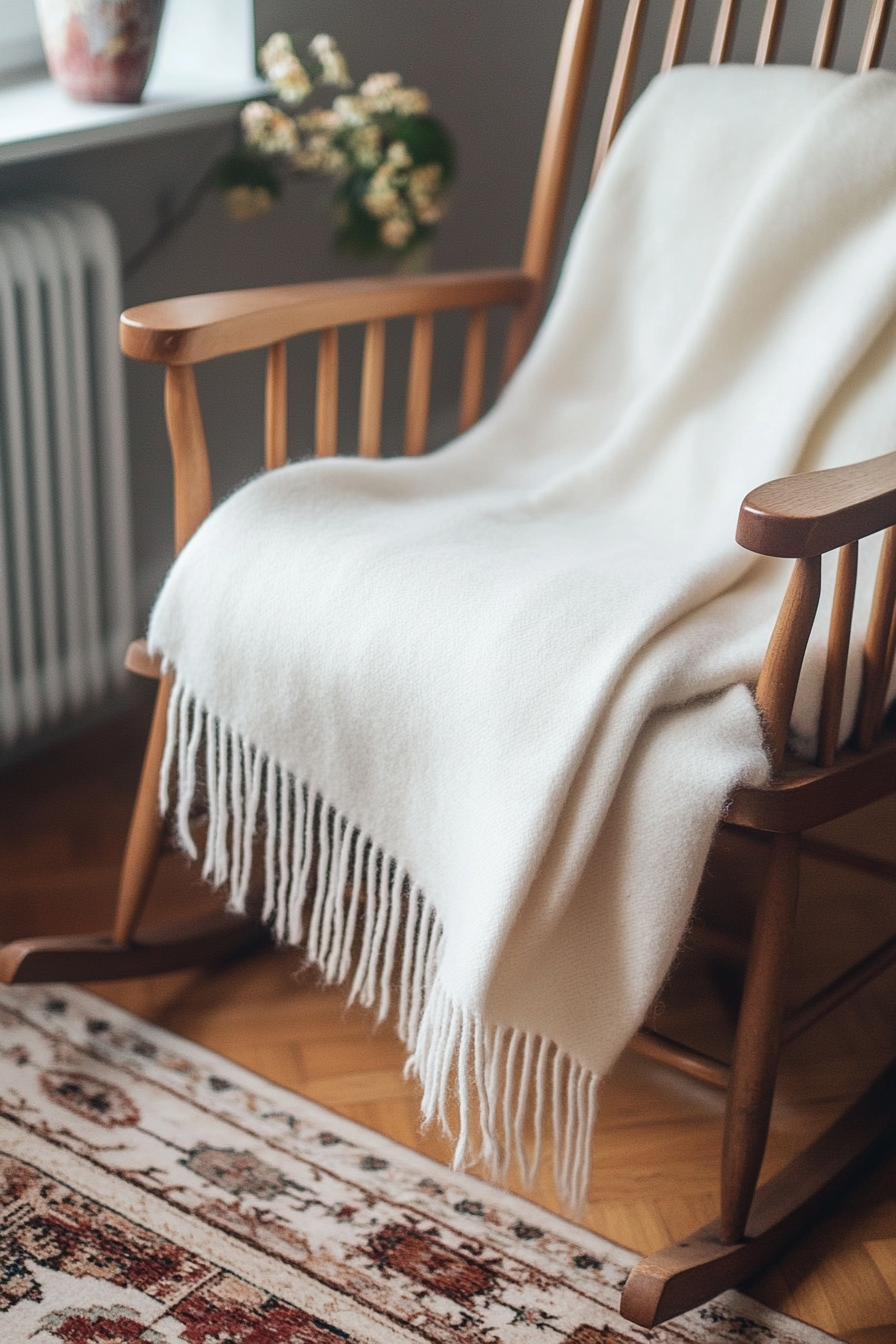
396	889
527	1172
368	996
556	1094
296	897
211	790
369	918
463	1095
307	859
236	818
220	873
412	915
270	841
507	1099
357	864
425	934
486	1148
186	771
253	762
284	789
335	891
170	746
335	952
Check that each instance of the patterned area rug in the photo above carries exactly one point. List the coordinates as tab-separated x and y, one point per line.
154	1192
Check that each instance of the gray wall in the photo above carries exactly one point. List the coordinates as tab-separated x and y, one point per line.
487	65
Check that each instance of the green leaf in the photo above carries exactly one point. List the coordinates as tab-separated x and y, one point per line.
241	169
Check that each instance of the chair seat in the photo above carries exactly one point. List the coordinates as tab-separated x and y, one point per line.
805	795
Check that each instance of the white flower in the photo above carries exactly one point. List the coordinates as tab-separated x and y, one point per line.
283	68
398	154
277	48
319	155
351	111
291	80
410	102
320	119
381	199
333	67
396	232
365	146
425	193
376	85
268	129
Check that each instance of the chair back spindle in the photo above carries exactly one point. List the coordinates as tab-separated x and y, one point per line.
776	688
275	407
828	33
838	652
419	382
327	411
770	32
723	37
370	427
473	376
875	34
552	174
878	645
621	82
677	34
189	453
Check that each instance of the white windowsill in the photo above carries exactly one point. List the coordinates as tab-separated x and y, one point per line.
37	118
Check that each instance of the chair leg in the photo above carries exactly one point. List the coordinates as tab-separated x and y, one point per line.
145	834
758	1041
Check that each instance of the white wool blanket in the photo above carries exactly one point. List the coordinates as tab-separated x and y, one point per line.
488	705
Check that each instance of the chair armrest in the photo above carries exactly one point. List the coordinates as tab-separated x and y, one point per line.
801	516
203	326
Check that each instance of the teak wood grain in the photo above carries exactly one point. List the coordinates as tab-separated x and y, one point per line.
818	511
326	424
275	408
473	375
373	372
205	326
419	384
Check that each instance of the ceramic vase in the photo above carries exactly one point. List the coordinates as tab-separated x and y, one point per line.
100	51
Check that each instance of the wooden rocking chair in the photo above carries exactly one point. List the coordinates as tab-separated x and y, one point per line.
799	518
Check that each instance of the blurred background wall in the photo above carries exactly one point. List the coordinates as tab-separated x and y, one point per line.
487	65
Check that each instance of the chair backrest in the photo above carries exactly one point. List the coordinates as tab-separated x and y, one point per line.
834	17
571	78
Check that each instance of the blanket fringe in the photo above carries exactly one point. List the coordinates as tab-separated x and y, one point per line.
326	881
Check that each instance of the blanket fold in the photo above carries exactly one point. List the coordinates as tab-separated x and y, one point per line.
489	704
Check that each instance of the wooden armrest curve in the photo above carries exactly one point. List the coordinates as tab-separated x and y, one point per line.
818	511
203	326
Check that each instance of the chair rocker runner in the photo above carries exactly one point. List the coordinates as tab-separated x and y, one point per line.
798	518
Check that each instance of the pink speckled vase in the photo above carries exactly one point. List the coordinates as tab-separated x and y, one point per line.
100	51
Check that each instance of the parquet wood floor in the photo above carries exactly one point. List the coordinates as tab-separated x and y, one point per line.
62	823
